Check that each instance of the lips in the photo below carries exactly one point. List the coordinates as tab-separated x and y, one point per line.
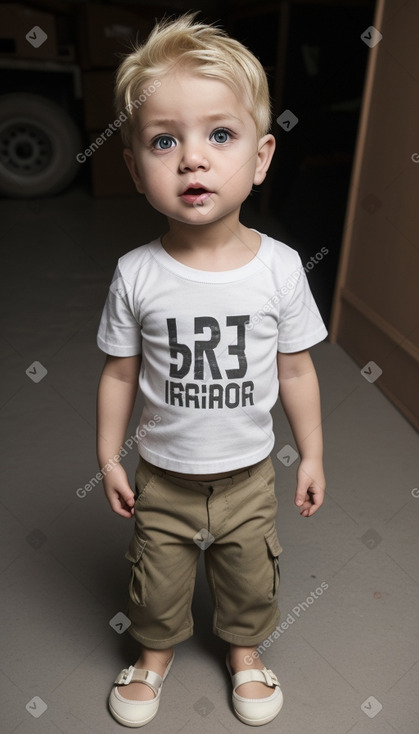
195	193
195	186
191	190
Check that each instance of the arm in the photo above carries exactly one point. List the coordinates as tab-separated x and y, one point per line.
116	395
300	396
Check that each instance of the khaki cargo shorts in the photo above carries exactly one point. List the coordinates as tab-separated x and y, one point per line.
232	520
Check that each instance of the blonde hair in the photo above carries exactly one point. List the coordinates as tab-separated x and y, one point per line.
202	48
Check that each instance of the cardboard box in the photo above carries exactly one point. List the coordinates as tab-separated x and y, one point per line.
106	33
26	33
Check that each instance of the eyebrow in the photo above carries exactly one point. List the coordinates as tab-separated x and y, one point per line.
213	116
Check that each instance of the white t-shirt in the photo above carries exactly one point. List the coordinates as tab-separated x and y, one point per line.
209	343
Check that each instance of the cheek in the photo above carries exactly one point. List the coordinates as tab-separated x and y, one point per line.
242	163
241	174
158	176
160	186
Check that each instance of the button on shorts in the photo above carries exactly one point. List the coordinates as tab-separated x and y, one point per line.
231	520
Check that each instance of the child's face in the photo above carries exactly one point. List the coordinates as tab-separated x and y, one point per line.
194	130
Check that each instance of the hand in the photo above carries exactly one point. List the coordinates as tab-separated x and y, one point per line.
311	485
119	493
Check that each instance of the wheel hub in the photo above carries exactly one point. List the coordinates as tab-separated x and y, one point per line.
24	148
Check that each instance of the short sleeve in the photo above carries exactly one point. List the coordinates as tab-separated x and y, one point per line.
119	332
300	324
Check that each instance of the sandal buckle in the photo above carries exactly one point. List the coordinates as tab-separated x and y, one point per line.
125	676
270	677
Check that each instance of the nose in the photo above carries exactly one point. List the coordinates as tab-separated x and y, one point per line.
193	158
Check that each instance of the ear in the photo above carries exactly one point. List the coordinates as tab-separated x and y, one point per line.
266	148
132	167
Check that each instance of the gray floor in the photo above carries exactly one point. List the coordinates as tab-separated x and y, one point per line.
348	661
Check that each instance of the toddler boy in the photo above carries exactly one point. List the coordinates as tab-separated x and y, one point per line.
213	320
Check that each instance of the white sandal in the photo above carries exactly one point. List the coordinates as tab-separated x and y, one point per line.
136	713
255	711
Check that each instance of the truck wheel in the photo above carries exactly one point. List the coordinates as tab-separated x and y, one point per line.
38	146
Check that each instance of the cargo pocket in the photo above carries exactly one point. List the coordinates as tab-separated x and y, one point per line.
137	585
274	550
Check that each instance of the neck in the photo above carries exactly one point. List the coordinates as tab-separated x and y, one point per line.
213	237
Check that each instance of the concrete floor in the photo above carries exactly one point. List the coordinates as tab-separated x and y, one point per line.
349	659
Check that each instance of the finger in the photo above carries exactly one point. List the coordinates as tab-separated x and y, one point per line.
313	507
128	506
121	511
120	507
301	495
124	513
126	496
307	504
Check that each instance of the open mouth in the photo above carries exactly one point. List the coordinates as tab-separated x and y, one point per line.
195	191
196	195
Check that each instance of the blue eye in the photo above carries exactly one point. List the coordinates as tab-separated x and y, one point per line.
221	135
164	142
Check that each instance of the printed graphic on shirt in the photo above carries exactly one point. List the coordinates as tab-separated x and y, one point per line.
194	369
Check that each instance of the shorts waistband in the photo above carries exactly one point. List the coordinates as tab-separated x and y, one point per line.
234	476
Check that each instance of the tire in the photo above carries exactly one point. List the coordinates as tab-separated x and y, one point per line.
38	146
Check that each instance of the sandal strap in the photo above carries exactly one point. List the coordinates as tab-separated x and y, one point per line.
264	676
139	675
